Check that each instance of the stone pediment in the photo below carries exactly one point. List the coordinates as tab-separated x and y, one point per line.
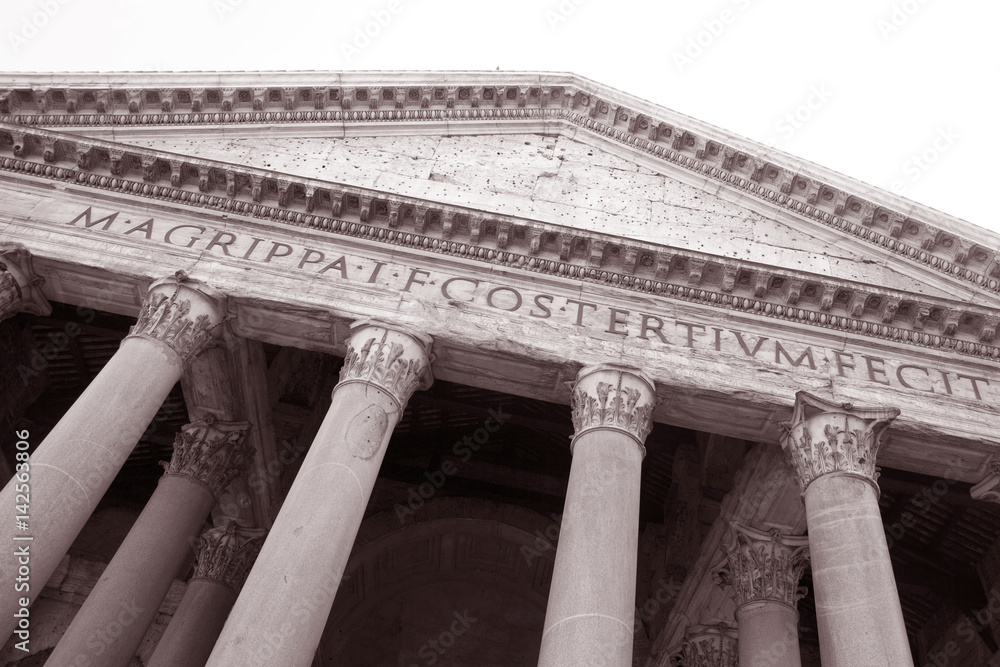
553	148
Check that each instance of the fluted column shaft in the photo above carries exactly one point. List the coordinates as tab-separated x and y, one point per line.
72	468
226	555
281	613
764	571
833	449
591	606
207	455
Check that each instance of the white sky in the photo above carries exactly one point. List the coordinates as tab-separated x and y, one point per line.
888	80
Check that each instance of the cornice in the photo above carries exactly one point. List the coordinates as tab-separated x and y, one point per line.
341	210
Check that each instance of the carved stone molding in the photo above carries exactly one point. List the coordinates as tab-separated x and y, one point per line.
20	288
613	397
227	553
989	488
708	646
825	437
182	313
212	452
764	566
389	357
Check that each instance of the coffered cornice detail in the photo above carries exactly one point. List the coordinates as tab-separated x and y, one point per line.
511	241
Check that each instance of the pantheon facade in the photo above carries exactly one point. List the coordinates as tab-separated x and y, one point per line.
395	369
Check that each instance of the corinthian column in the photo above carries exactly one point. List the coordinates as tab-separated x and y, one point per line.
207	456
833	449
226	556
72	468
20	288
764	571
591	607
709	646
280	615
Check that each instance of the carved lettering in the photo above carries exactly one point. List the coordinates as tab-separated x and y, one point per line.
340	264
873	371
658	329
546	311
445	284
690	331
746	348
87	224
616	321
779	352
579	310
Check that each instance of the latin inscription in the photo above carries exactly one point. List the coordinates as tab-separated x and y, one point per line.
657	328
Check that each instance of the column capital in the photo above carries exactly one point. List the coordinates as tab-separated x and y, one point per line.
708	646
763	566
211	452
391	357
227	553
184	314
824	437
612	397
20	288
989	488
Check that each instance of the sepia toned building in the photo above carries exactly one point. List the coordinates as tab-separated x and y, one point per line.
496	369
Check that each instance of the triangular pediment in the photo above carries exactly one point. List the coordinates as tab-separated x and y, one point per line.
550	166
568	181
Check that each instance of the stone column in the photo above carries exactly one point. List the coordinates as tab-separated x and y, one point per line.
280	615
20	288
72	468
207	456
708	646
833	449
591	607
226	556
764	571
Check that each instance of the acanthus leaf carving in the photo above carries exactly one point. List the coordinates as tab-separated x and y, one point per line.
227	554
825	437
394	361
212	452
611	397
171	318
764	566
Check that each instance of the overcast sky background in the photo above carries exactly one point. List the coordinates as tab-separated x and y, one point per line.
901	94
